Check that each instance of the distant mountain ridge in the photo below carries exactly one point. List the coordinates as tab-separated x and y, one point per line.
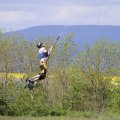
82	33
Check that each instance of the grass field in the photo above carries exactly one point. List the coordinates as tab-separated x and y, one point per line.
56	118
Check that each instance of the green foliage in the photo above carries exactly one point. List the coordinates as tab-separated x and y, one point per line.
74	86
114	102
3	107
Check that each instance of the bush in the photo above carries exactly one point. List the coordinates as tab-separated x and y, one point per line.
3	107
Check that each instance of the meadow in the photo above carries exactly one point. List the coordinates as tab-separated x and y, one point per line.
57	118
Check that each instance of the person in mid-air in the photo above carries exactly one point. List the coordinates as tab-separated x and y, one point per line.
43	57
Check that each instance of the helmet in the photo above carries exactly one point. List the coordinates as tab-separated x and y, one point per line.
39	45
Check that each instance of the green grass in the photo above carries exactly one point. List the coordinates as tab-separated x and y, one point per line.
55	118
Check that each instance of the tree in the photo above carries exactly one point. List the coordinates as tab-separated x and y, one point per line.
96	63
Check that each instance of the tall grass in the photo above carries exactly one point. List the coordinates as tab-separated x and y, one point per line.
57	118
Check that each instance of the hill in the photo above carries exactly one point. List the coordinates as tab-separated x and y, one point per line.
82	33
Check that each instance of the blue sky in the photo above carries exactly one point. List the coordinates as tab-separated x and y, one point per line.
20	14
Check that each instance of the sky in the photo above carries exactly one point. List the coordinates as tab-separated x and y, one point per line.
21	14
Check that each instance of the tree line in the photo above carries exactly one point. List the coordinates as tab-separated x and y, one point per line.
76	80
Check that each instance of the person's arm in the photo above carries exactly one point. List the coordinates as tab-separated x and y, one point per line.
50	50
45	52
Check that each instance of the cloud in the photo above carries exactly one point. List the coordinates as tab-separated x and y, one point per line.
71	12
75	14
16	19
16	16
95	2
62	2
66	12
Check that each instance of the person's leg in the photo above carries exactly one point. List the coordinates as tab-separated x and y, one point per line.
43	74
35	77
43	66
40	76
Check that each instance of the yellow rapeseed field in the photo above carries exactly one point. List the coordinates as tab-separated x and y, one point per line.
115	80
13	75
